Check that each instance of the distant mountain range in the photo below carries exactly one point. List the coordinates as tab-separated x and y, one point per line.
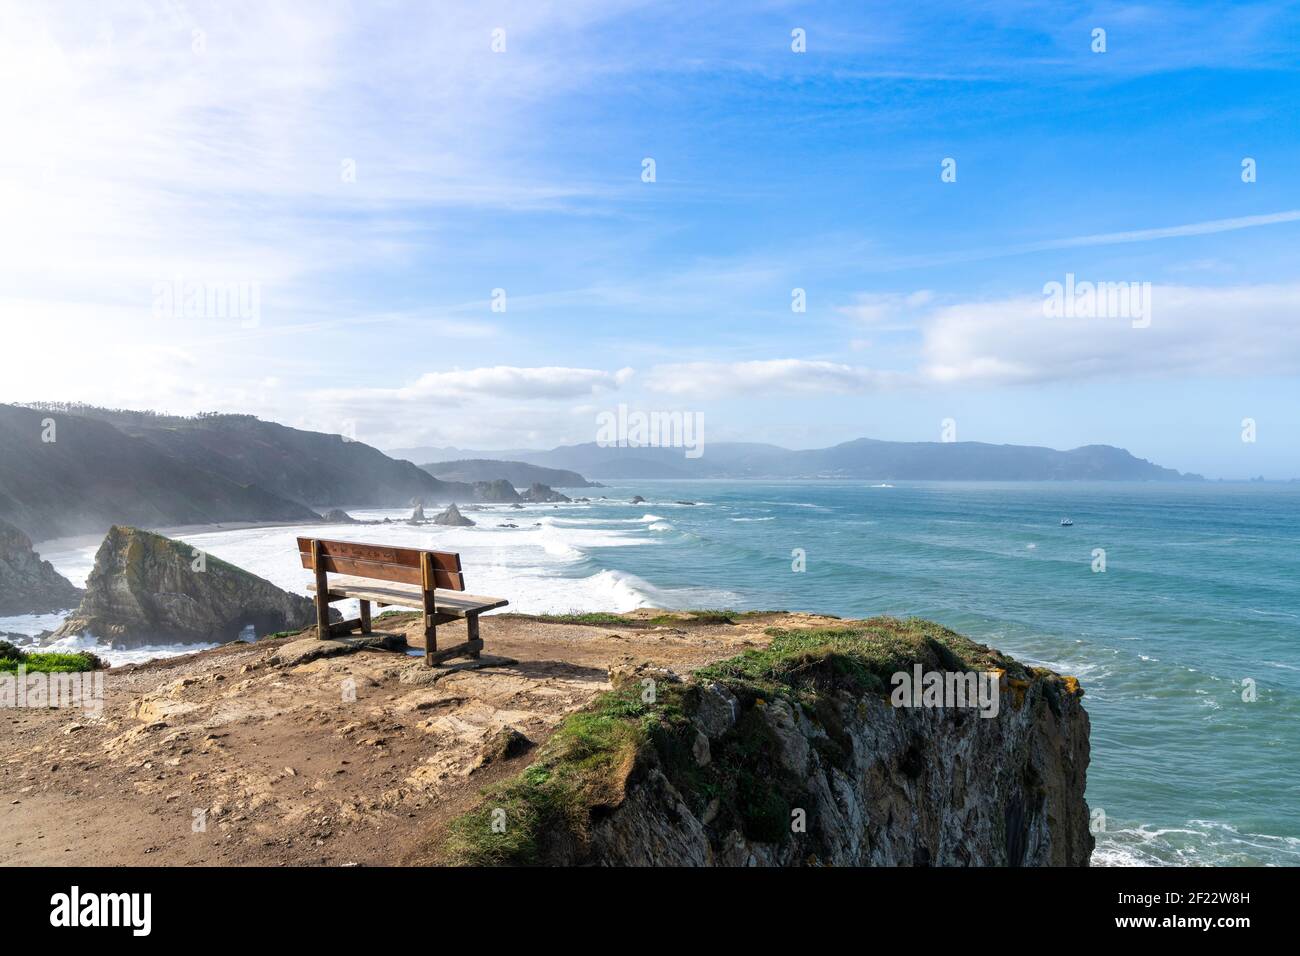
864	458
98	467
518	473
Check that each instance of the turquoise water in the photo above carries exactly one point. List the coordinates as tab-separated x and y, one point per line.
1201	592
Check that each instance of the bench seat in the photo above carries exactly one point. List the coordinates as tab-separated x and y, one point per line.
454	603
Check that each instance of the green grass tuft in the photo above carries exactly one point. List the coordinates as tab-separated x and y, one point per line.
858	657
600	618
49	663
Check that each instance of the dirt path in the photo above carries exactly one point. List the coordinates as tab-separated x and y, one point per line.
254	754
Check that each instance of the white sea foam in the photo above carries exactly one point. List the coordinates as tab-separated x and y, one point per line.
532	565
116	658
31	624
1198	843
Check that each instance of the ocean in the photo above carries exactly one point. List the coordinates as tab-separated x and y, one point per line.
1186	643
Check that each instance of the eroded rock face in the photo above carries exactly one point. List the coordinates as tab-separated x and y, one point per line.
452	516
29	585
148	589
877	786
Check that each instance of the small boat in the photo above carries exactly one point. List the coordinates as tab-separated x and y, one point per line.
1067	522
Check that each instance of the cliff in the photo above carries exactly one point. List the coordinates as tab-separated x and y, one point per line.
29	585
796	755
259	737
148	589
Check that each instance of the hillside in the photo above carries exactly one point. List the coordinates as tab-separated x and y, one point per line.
93	476
314	468
518	473
117	467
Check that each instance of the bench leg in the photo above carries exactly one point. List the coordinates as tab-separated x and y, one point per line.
471	625
430	639
322	593
365	617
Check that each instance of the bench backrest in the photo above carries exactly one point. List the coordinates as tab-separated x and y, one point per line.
383	562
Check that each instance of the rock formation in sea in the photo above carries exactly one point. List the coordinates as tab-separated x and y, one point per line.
539	493
797	754
29	585
418	513
339	516
149	589
452	516
499	490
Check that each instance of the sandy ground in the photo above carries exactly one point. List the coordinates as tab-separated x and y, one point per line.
252	754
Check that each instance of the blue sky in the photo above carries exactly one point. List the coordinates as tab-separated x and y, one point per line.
208	145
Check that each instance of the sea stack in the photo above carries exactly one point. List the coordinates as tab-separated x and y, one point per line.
29	585
148	589
497	491
452	516
539	493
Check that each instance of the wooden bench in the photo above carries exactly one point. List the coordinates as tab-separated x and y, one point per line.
429	580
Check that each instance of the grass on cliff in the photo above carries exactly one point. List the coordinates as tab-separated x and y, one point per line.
583	766
858	656
544	814
43	663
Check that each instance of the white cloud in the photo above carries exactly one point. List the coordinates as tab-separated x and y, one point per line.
707	379
884	310
499	381
1194	332
1202	332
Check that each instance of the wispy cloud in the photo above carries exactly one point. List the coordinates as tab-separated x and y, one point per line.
772	376
500	381
1184	230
